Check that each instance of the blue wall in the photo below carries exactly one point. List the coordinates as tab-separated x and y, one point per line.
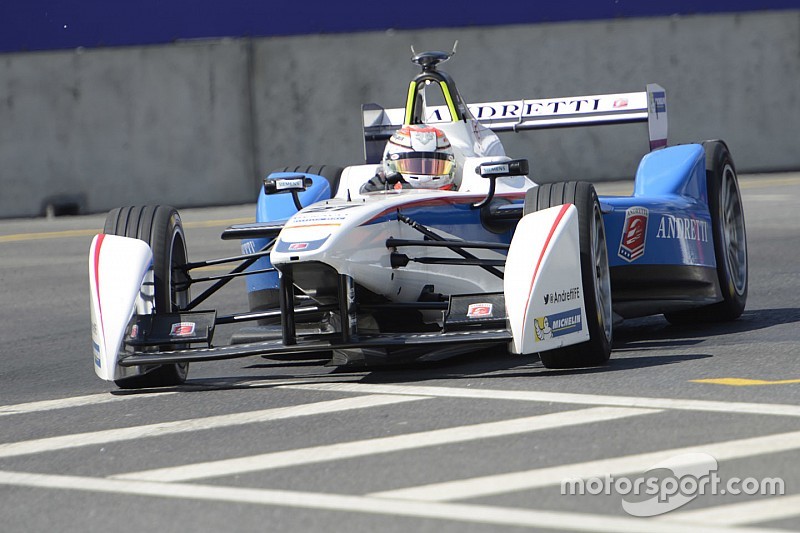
54	24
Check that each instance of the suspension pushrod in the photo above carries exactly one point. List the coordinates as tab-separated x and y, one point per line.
430	234
234	259
393	243
456	262
234	275
244	265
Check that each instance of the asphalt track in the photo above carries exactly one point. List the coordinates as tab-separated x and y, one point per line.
478	443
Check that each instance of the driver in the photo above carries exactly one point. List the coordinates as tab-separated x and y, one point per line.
416	157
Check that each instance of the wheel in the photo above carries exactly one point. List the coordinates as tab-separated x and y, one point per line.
160	227
595	274
730	240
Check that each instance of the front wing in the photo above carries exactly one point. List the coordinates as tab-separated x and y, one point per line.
432	343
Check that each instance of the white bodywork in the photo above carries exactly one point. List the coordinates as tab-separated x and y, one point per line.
542	285
121	283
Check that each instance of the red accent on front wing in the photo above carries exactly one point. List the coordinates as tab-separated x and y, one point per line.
560	216
96	262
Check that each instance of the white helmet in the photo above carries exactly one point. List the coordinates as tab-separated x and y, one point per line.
422	155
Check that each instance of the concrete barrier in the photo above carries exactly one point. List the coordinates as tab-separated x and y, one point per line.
198	123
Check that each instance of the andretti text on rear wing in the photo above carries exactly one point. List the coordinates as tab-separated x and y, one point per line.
517	115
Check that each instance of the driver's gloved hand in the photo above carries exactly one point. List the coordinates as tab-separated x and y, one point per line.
381	182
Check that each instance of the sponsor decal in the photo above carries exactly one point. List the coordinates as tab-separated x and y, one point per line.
558	324
182	329
685	229
495	169
96	349
634	234
481	310
620	102
284	184
534	108
248	247
298	246
562	296
423	136
659	102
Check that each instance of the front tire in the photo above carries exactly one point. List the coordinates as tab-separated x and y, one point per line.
161	228
595	274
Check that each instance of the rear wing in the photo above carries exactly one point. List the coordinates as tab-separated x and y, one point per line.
517	115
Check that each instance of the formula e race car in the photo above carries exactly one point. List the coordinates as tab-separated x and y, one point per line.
409	270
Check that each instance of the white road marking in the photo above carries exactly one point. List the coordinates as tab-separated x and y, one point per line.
749	512
617	466
13	449
347	450
75	401
360	504
559	397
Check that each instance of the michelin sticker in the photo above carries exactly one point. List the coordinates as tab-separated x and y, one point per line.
558	324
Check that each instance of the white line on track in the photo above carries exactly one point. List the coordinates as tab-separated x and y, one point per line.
617	466
182	426
346	450
559	397
75	401
749	512
361	504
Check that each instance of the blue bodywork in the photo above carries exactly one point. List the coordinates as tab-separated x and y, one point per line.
671	185
278	208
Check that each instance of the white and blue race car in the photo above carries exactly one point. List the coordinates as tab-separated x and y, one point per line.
403	274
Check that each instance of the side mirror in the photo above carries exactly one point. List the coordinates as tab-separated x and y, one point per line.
499	169
515	167
293	183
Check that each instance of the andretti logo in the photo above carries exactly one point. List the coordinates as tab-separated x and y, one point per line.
634	234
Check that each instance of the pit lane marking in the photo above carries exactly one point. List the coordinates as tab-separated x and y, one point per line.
469	513
49	444
743	382
617	466
75	401
374	446
559	397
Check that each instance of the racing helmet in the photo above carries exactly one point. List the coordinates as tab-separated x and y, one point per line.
422	155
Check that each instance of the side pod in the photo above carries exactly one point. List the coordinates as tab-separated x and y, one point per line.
119	268
542	285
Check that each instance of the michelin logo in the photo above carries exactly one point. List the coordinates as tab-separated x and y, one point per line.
558	324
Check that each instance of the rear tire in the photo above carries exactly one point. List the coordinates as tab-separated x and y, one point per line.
160	227
595	274
730	240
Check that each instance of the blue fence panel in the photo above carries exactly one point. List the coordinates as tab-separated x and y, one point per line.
54	24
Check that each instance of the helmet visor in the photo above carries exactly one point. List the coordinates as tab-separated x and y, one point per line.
421	163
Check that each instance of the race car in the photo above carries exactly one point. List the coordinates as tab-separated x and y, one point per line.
437	245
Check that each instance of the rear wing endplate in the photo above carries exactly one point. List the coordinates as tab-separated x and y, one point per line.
517	115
